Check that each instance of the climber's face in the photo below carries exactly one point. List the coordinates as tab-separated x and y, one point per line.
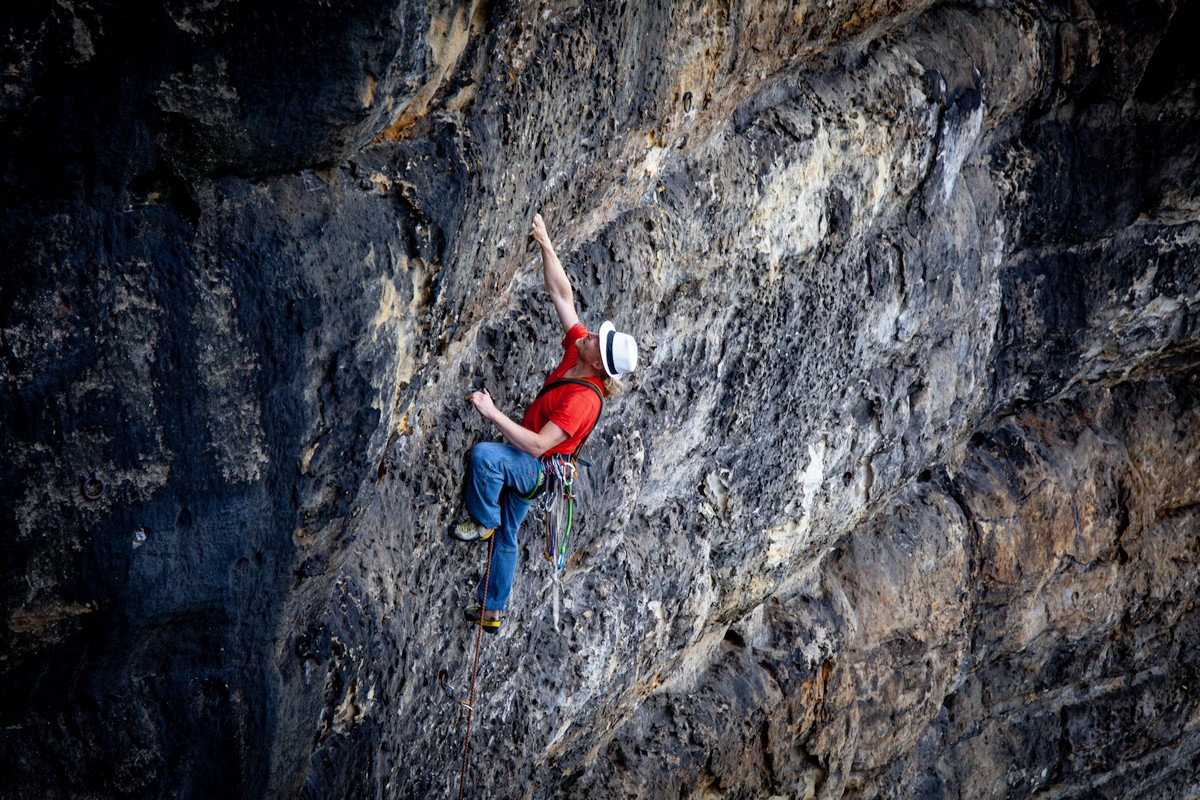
589	349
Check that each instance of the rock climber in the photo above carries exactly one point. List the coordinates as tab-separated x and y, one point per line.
504	477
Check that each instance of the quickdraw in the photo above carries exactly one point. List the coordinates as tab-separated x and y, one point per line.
558	504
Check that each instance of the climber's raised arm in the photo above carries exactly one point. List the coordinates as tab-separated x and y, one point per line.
557	283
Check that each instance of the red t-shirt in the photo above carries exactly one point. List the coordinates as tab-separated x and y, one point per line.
571	407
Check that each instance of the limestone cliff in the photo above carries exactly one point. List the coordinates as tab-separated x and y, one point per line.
902	502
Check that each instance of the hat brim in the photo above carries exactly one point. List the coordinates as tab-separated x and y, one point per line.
606	331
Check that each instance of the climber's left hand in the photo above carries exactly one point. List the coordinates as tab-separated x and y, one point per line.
482	400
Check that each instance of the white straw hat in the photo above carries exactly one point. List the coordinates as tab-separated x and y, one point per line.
618	351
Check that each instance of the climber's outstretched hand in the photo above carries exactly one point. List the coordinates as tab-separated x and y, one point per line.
482	400
539	233
557	284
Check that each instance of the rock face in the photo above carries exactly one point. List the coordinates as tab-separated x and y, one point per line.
903	501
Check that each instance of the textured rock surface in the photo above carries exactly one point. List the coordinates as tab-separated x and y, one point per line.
903	502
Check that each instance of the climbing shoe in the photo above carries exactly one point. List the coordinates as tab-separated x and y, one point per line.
471	614
470	531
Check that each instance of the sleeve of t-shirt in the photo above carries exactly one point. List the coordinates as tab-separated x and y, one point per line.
575	411
576	331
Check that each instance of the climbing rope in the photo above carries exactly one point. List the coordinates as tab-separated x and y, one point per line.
469	703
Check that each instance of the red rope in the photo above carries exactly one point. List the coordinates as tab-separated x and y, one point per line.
470	703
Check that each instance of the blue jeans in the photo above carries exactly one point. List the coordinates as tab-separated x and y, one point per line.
500	474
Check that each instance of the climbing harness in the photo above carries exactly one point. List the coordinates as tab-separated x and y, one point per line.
469	703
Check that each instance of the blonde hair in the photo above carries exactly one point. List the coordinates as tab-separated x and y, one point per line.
612	386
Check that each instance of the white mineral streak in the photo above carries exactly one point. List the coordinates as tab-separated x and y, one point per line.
784	541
